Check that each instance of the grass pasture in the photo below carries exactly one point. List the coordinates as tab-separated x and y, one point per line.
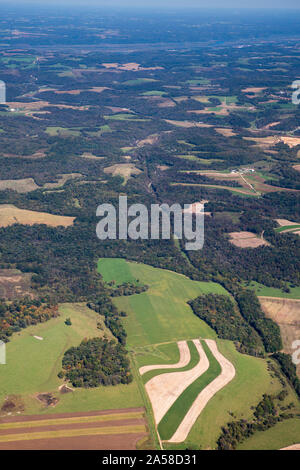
160	314
26	378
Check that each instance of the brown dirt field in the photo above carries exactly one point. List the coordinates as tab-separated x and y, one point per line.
286	313
187	124
225	132
247	240
14	284
255	90
78	414
293	447
113	442
166	103
163	167
80	431
126	170
21	186
10	214
150	140
68	92
84	425
226	375
264	142
284	222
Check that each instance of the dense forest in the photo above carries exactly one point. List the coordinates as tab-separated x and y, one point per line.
21	313
95	362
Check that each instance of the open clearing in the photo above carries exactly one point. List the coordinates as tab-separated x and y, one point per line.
39	375
10	214
247	240
266	142
282	434
161	314
14	284
286	313
126	170
94	430
21	186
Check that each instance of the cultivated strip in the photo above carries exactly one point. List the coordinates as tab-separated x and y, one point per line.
132	429
227	374
185	358
164	389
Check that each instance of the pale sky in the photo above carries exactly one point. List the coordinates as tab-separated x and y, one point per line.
171	4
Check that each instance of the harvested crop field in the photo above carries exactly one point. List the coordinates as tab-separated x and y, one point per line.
265	142
10	215
109	429
286	313
126	170
247	240
21	186
225	132
187	124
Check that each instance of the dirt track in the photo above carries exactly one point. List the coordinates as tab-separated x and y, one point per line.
185	357
164	389
227	374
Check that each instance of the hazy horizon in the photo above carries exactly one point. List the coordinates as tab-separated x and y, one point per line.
162	4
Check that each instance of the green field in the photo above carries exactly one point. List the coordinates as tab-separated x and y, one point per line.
265	291
178	410
124	117
33	364
139	81
56	131
291	228
154	93
284	434
160	314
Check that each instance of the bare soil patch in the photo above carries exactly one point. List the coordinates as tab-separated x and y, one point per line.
14	284
286	313
247	240
47	399
225	132
150	140
126	170
187	124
